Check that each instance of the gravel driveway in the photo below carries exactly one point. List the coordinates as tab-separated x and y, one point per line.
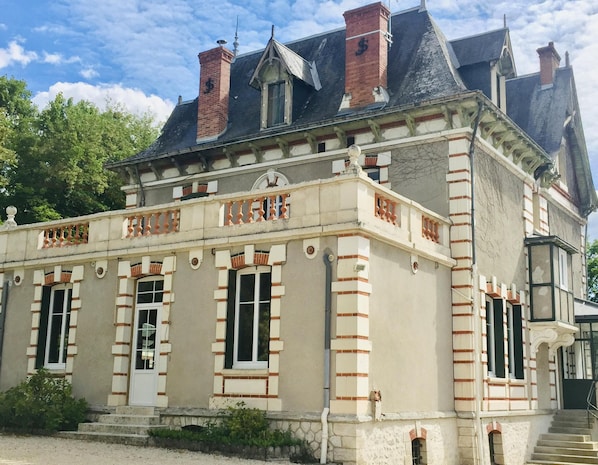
39	450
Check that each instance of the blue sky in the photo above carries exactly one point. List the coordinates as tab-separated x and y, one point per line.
143	53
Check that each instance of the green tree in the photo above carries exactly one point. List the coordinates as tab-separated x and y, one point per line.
592	264
57	170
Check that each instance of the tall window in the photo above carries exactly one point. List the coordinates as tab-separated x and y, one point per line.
495	343
515	341
276	103
54	326
248	319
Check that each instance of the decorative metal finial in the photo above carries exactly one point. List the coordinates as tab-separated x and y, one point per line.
236	42
272	36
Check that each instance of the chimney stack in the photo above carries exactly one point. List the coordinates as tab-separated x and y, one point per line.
366	55
214	89
549	62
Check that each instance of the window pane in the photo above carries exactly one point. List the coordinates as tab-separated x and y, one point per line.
247	288
146	339
276	103
540	264
542	303
245	335
55	336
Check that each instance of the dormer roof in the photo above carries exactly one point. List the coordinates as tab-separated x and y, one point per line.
293	63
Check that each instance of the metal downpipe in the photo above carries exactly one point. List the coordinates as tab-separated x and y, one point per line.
328	259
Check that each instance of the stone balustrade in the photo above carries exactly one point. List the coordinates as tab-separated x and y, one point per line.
340	205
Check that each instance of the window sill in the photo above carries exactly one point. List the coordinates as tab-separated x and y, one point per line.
245	371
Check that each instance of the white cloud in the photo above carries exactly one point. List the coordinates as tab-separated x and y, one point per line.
89	73
15	53
133	100
58	59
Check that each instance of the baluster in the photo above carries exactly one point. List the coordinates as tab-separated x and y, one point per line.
175	220
156	224
250	213
239	212
69	234
261	213
393	216
130	226
283	207
139	226
229	213
272	199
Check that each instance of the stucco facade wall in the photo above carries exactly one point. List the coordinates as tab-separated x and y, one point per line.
17	332
419	172
93	365
192	331
499	221
411	358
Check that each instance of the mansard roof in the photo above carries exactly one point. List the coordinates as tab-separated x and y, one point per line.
481	48
420	68
550	115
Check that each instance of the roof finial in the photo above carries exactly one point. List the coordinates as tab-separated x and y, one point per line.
422	5
504	20
236	42
272	36
567	61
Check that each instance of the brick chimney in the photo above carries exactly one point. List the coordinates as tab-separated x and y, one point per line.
549	62
366	55
214	88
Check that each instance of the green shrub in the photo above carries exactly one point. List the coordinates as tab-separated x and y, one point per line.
41	403
237	425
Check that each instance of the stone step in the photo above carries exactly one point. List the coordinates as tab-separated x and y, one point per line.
549	462
566	451
589	445
559	458
570	430
134	410
111	428
565	437
570	424
127	439
129	419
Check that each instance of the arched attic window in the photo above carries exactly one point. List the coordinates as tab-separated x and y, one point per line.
282	76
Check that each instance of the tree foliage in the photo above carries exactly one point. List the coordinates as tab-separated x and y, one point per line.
592	264
52	161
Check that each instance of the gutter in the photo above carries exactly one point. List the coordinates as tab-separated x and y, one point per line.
328	258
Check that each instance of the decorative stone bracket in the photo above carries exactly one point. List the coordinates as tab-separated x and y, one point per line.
554	333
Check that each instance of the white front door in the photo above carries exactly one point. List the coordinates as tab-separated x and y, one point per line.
146	343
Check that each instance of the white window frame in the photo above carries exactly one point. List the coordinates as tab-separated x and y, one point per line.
64	326
254	363
563	269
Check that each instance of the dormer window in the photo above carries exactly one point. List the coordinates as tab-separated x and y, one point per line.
278	74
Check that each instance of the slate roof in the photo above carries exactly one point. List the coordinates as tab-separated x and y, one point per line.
420	67
480	48
549	113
